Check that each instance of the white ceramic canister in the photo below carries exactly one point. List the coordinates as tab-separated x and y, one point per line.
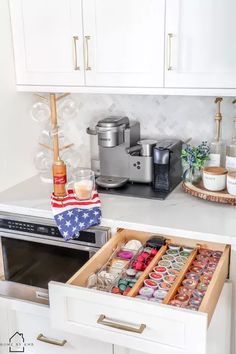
231	183
214	178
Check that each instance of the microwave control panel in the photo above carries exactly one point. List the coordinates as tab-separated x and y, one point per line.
13	225
39	229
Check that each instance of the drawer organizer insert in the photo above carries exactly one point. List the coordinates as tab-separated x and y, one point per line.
184	273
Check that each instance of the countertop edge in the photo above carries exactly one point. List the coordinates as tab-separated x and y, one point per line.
114	224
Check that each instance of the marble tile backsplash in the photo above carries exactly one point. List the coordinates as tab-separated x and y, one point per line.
160	116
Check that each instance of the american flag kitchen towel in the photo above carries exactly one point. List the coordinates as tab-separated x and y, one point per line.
73	215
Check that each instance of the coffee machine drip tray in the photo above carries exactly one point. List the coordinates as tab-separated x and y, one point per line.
111	182
135	190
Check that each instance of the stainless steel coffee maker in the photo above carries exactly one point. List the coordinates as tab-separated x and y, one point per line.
132	167
116	135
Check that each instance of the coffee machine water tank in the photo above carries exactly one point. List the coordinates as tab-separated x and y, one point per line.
111	131
167	167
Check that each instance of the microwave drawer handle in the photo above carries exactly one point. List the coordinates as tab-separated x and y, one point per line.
110	323
44	339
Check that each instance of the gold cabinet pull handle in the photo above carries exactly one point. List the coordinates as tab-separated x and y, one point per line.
87	39
75	40
44	339
103	320
169	52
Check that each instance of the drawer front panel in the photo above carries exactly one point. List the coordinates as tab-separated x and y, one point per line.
77	310
129	321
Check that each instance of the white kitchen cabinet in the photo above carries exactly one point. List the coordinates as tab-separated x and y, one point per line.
200	44
136	324
31	321
48	42
125	46
124	42
123	350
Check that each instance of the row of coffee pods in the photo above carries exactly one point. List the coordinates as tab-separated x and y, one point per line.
194	286
163	275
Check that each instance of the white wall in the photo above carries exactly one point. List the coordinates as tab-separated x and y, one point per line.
18	132
160	116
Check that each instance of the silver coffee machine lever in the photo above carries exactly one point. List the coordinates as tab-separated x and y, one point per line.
132	149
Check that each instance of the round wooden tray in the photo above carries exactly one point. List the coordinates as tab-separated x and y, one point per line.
199	191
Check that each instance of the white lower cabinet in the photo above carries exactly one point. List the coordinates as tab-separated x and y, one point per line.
27	326
139	325
219	332
122	350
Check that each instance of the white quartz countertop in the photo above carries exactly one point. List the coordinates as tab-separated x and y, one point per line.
180	214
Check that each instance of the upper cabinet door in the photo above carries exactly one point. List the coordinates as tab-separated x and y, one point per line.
48	42
200	43
124	42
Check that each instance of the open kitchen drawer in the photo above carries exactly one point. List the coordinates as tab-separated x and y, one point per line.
132	322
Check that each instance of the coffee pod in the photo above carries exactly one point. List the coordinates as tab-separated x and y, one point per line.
160	294
189	283
172	252
161	270
205	279
214	178
165	263
131	272
156	276
198	293
211	266
200	264
195	301
177	266
205	252
168	257
146	291
174	247
176	303
183	290
187	249
192	275
124	254
150	283
183	298
170	279
202	287
196	269
164	285
173	272
180	259
216	254
184	254
133	245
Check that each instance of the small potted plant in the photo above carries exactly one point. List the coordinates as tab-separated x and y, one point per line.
194	158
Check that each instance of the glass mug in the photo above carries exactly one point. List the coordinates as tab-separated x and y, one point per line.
83	183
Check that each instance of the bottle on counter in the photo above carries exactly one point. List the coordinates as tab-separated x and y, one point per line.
217	146
59	178
231	149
